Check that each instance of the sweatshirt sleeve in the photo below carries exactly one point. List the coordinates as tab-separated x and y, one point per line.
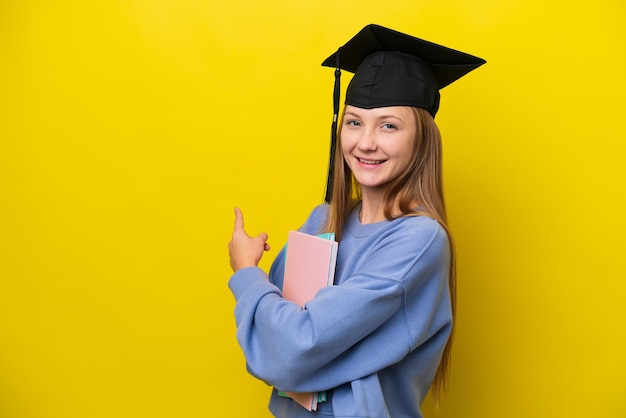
393	302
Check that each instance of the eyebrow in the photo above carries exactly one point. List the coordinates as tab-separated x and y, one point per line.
384	116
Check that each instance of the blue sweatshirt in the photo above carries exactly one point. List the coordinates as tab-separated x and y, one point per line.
373	340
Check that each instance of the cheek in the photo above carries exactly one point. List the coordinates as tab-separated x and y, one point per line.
346	145
346	152
409	146
406	153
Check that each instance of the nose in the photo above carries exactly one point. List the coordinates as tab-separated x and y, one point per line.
367	141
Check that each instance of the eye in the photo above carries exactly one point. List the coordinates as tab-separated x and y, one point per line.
389	126
353	123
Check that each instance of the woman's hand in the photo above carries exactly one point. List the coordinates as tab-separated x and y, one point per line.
244	250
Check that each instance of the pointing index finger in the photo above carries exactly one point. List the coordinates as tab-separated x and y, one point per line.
238	219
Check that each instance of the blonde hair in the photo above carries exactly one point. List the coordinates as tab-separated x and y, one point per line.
419	185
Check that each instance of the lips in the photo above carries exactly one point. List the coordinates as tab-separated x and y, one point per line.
370	162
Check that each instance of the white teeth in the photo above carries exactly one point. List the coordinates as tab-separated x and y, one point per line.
369	161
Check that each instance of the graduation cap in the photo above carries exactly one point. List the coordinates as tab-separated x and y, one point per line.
393	69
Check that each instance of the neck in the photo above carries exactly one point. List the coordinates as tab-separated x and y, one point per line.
372	207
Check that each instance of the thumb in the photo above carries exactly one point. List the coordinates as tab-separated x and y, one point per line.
262	236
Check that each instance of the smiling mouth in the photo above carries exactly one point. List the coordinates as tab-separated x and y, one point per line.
371	162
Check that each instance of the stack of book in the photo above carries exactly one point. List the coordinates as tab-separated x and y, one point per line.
309	266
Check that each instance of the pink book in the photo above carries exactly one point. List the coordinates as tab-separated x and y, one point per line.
309	266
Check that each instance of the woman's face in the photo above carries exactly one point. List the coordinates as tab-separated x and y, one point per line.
378	144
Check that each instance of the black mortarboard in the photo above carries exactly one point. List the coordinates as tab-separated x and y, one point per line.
393	69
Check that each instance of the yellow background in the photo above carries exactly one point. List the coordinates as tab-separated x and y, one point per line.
130	128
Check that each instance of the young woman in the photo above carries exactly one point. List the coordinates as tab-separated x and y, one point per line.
376	341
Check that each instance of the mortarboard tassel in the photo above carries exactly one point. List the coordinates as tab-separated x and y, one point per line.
333	132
